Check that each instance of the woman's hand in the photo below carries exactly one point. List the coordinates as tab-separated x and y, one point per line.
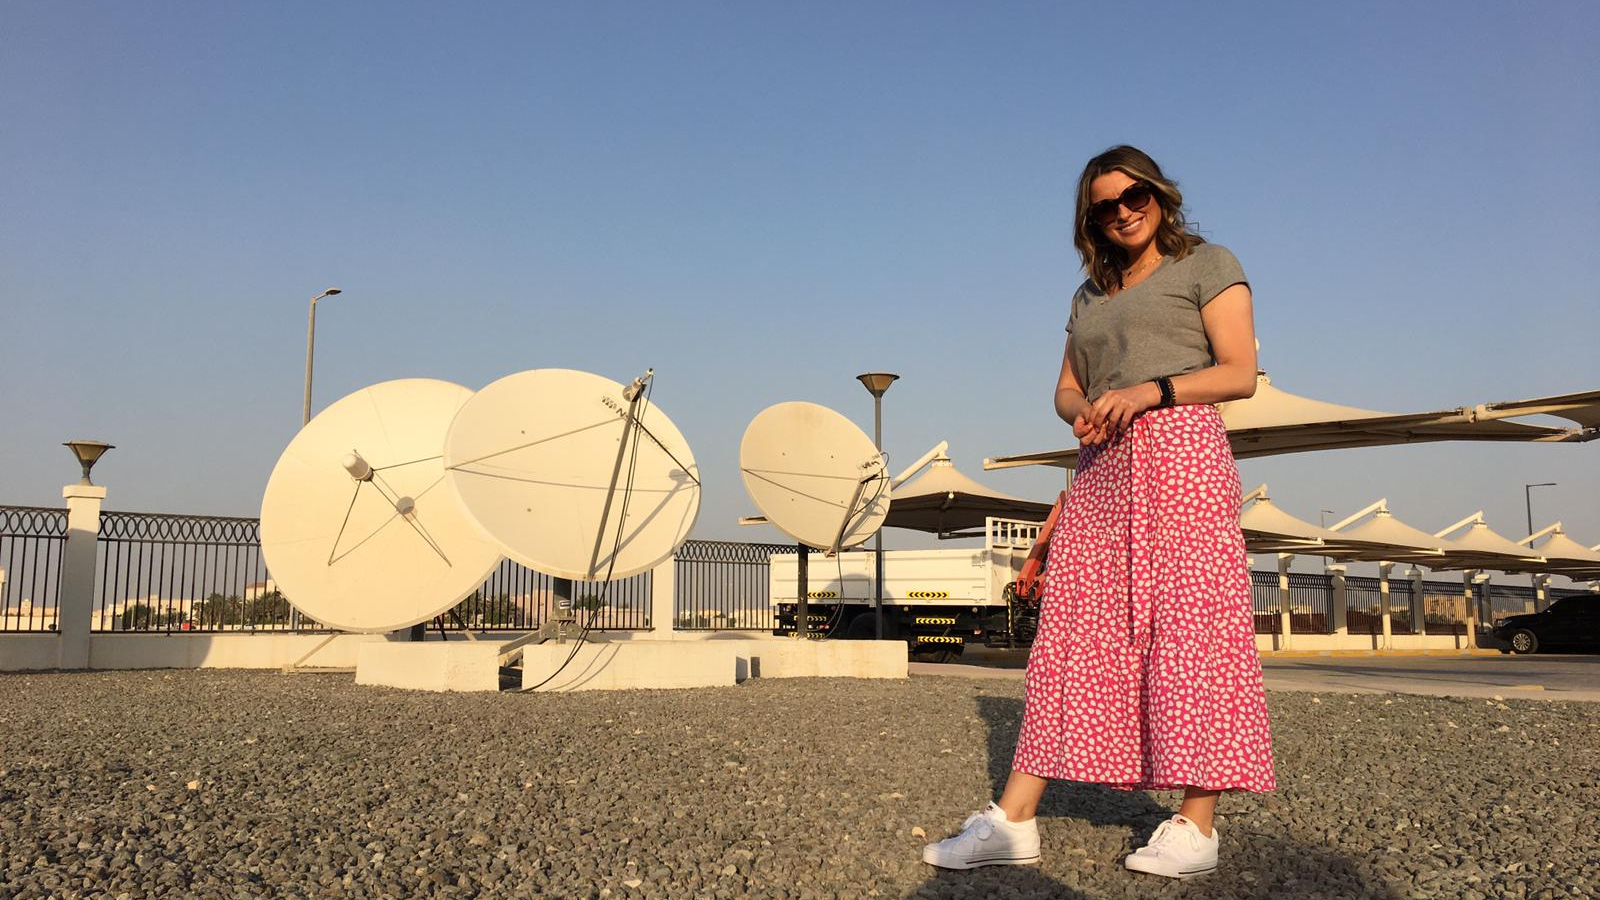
1087	434
1114	410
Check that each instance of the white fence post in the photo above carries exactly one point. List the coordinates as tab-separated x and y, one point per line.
76	610
1419	603
1384	569
1340	602
1470	604
663	585
1285	619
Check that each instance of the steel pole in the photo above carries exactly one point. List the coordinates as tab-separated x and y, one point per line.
1527	499
311	340
877	576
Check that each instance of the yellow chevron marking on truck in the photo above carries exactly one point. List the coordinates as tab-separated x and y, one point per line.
936	620
928	595
939	639
822	595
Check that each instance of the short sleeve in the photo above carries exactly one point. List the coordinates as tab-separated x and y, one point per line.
1216	270
1077	301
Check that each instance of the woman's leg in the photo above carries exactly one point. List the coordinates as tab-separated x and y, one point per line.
1198	807
1021	797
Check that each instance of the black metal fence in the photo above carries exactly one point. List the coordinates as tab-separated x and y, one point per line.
1443	609
33	541
165	572
1363	605
723	585
1496	601
516	598
170	573
1310	603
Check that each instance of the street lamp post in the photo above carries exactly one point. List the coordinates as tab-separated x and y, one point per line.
877	383
311	341
1527	499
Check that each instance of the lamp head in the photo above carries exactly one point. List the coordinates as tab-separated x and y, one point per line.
877	383
88	453
331	291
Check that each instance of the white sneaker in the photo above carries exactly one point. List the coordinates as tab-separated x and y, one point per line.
987	838
1176	850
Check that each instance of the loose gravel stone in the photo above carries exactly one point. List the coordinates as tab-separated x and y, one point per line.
249	784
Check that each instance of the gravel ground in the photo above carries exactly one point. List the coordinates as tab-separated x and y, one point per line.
250	784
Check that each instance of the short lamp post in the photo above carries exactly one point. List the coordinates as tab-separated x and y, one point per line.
88	453
877	384
311	341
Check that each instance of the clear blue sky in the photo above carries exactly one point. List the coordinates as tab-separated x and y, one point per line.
762	200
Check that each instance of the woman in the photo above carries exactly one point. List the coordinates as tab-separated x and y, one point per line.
1144	674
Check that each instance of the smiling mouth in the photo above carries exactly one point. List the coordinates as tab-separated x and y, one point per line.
1129	227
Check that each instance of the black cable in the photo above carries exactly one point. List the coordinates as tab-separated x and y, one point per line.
616	547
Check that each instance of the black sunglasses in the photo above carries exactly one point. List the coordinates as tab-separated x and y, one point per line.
1135	198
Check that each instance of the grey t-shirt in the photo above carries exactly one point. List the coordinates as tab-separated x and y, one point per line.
1152	329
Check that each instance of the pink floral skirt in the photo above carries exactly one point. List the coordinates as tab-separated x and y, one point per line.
1144	674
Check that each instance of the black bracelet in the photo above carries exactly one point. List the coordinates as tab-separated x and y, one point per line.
1168	396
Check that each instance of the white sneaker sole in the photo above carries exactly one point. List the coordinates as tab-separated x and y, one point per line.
1160	867
933	857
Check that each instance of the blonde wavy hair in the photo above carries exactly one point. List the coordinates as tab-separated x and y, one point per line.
1103	260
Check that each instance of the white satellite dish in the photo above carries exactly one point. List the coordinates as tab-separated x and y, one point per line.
814	475
357	527
572	475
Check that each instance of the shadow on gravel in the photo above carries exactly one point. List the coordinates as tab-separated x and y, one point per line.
1264	865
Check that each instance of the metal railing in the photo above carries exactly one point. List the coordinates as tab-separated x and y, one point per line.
33	542
516	598
171	573
1363	605
1442	610
1310	603
166	572
1496	601
1400	617
723	585
1266	602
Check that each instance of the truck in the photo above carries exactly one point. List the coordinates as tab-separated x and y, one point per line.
938	601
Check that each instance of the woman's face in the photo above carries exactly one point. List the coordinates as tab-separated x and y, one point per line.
1133	230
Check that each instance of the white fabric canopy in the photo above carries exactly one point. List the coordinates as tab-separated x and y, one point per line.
1565	556
944	501
1276	421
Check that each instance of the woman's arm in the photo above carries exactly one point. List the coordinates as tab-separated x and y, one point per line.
1071	405
1230	328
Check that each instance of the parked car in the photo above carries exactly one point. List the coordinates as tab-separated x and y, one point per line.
1571	623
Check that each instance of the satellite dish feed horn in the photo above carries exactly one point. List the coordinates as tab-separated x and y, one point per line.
852	509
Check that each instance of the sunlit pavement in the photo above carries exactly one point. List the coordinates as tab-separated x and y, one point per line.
1541	676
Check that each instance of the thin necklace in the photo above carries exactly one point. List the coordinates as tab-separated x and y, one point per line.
1140	268
1132	272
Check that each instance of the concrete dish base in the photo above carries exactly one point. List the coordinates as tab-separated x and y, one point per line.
645	664
635	664
430	666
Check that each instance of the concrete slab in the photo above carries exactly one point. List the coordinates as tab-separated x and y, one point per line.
825	659
645	664
430	666
631	665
